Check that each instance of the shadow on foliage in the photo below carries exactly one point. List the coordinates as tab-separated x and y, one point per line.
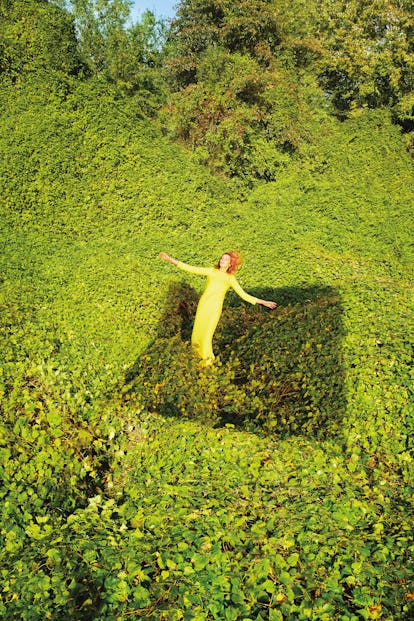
280	371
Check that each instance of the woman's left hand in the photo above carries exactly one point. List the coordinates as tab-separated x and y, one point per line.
267	303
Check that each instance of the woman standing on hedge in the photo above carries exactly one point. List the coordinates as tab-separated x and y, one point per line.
219	280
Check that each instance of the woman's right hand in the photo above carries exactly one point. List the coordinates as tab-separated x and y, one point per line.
167	257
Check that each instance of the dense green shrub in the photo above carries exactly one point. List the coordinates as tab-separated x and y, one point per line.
37	36
239	118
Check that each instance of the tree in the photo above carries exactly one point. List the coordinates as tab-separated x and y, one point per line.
236	97
244	26
138	59
126	54
37	35
100	26
368	53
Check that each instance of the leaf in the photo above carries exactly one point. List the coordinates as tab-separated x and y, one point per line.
293	559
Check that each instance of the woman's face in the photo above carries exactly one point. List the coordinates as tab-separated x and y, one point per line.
225	261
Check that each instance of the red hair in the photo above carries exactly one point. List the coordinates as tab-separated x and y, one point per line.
236	261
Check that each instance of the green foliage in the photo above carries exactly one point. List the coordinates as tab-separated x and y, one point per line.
130	55
242	532
243	27
240	500
368	57
101	29
239	118
233	102
252	81
37	36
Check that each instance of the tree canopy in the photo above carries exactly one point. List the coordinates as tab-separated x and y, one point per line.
37	35
247	77
243	83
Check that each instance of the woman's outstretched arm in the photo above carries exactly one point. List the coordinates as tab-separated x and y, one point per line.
249	298
200	271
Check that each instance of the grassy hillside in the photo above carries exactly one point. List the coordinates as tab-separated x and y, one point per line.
126	495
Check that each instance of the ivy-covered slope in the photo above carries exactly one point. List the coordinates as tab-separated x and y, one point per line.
124	496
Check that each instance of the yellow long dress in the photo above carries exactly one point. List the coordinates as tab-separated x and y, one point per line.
210	306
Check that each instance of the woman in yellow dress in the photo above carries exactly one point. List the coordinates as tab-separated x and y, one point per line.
219	280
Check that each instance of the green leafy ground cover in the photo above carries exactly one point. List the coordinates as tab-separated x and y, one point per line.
125	494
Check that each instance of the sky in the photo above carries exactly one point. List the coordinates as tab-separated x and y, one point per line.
161	8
